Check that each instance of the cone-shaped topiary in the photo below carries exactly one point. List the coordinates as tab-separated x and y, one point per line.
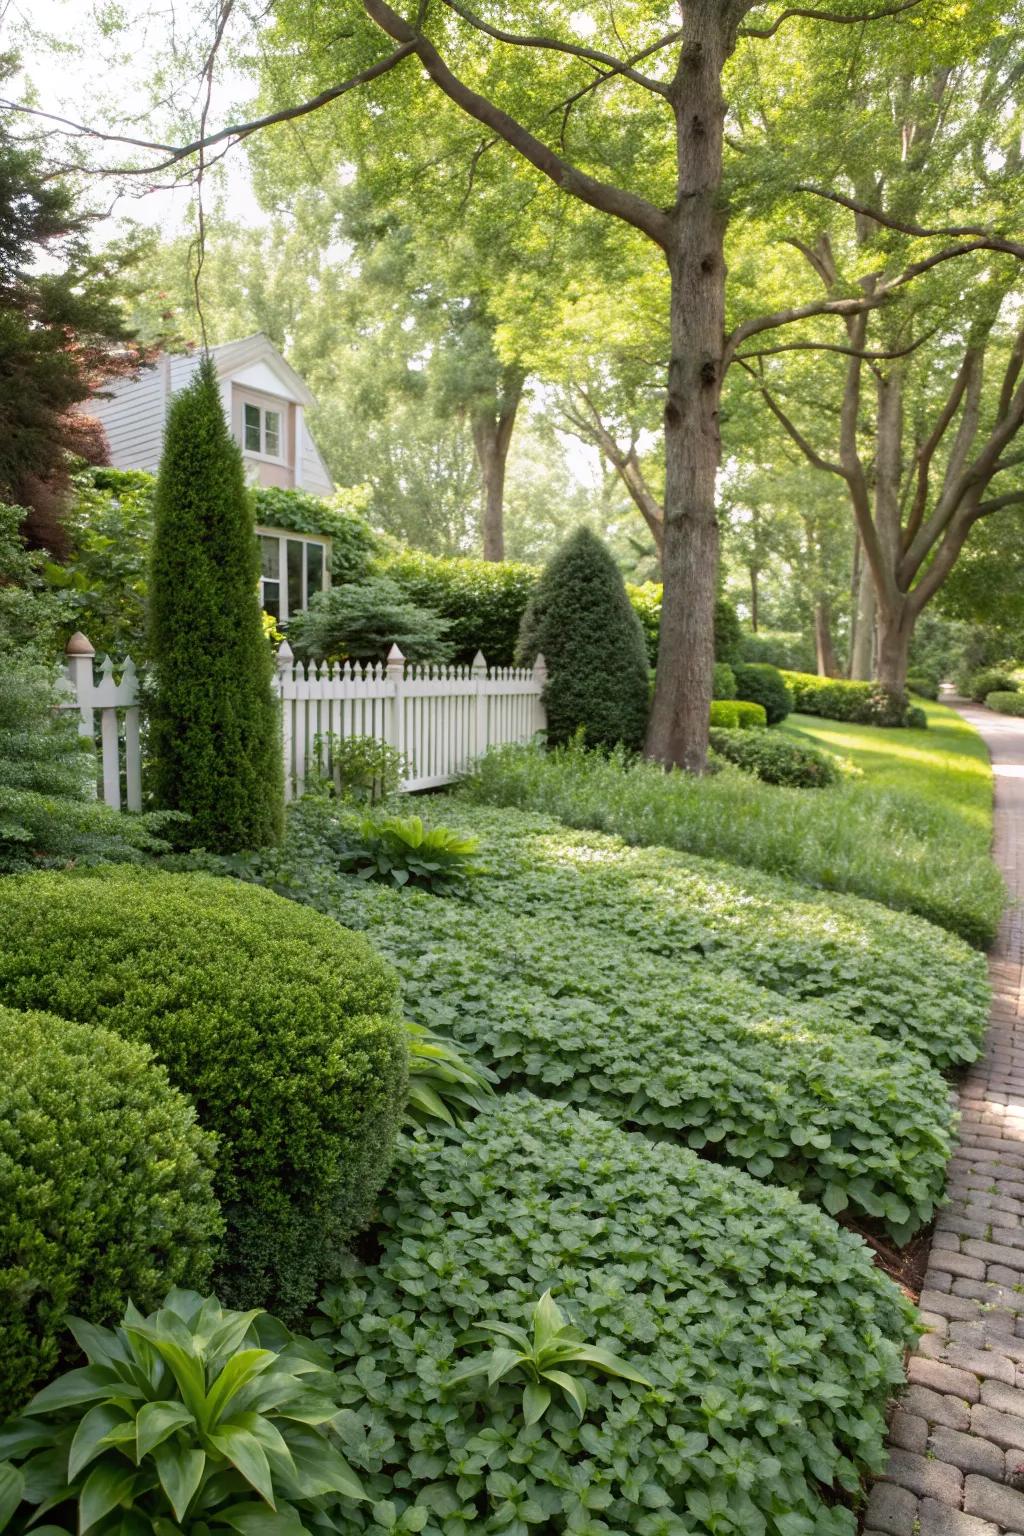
214	731
581	620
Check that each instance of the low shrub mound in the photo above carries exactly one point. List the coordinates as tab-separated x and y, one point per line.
725	715
838	698
775	759
901	849
771	1341
751	716
762	684
105	1188
991	680
924	685
280	1026
666	1043
1005	702
723	683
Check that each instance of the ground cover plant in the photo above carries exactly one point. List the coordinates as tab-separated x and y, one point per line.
891	844
791	1091
770	1341
281	1028
774	759
105	1188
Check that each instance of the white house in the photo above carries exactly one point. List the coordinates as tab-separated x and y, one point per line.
265	402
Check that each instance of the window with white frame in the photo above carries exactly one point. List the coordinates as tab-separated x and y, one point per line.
262	431
293	568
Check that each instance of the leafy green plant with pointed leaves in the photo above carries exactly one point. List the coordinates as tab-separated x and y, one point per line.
444	1082
194	1419
551	1358
400	850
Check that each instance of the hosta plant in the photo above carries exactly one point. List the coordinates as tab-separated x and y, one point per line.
194	1419
444	1082
400	850
552	1357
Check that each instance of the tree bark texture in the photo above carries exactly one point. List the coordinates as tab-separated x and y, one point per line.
492	438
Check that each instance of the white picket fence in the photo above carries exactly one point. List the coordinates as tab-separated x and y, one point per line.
441	718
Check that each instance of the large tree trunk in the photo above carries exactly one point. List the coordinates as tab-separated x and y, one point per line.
492	437
862	651
678	731
825	650
895	631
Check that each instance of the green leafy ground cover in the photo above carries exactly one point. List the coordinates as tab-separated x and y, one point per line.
898	836
770	1341
556	1001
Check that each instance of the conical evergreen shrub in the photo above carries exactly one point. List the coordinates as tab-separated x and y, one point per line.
581	620
213	720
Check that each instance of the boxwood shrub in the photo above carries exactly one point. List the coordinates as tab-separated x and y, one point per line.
923	685
1005	702
280	1026
991	680
771	1341
482	600
838	698
763	684
723	684
725	714
663	1042
105	1188
750	716
775	759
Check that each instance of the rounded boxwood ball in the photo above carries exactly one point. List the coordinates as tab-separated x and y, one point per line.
105	1189
280	1025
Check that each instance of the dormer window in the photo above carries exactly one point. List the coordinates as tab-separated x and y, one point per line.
261	429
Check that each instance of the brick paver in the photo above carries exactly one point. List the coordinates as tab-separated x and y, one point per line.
957	1438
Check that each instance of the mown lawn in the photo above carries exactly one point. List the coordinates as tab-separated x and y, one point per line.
947	764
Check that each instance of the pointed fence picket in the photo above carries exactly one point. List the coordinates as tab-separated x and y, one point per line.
441	718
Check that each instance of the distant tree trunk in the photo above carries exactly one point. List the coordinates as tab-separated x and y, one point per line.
824	647
492	436
754	573
862	651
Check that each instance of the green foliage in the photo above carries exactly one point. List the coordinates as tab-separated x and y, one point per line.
789	650
925	686
49	816
838	698
481	601
214	733
750	716
728	633
31	619
991	680
725	714
104	577
771	1340
544	1359
191	1416
363	621
646	601
105	1188
400	850
776	759
353	542
364	769
723	684
533	976
901	847
1006	702
444	1083
280	1026
759	683
581	620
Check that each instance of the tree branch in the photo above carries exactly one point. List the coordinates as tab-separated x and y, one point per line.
828	346
812	14
810	453
618	202
919	231
576	50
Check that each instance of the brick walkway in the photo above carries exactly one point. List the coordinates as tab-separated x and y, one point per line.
956	1466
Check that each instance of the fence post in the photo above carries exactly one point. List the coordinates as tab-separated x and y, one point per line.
395	735
285	661
80	655
478	672
132	741
540	677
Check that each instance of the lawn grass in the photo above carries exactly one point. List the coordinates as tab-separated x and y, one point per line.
947	764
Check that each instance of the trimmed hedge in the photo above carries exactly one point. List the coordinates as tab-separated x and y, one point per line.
991	680
648	1037
105	1188
837	698
1006	702
779	648
723	685
580	619
923	685
775	759
750	716
725	714
483	601
761	684
771	1340
281	1027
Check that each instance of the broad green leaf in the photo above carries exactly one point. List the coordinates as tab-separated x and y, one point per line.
158	1420
89	1383
101	1345
254	1519
246	1454
185	1368
611	1364
536	1400
104	1488
90	1436
548	1320
180	1472
12	1486
320	1469
500	1363
24	1435
239	1370
574	1388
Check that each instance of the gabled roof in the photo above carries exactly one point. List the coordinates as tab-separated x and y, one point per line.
232	356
